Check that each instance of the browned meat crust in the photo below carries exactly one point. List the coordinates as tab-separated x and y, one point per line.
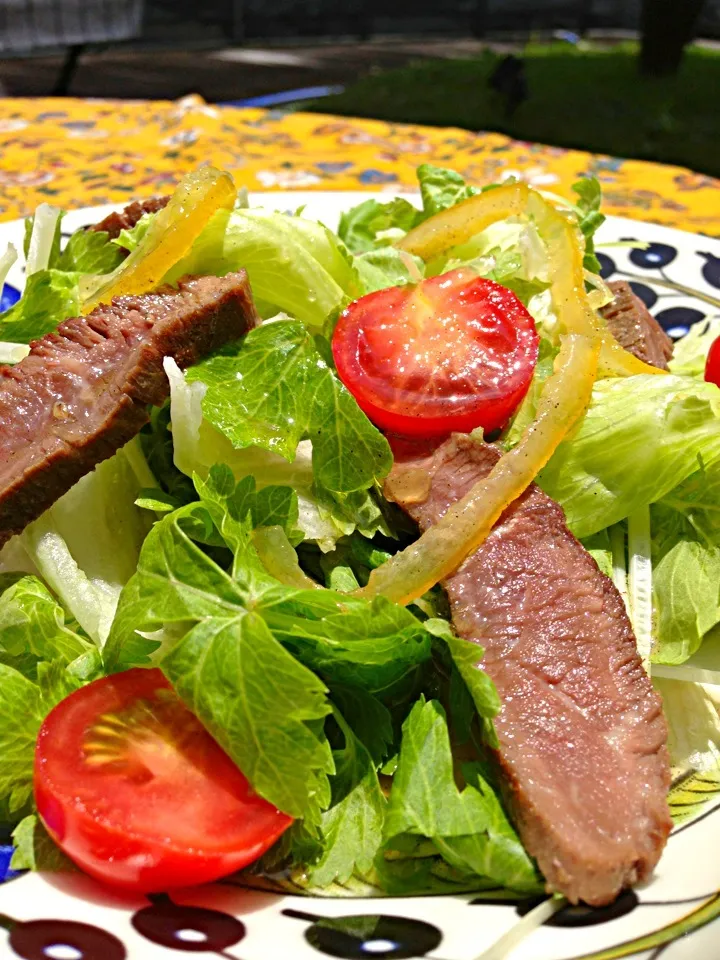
635	328
83	391
126	219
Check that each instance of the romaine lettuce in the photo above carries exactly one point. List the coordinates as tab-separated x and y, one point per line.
293	264
641	437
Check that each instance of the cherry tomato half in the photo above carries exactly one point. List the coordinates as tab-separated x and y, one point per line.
451	353
135	791
712	364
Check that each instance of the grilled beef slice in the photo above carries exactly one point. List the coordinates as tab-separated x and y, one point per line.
126	219
83	391
581	731
635	328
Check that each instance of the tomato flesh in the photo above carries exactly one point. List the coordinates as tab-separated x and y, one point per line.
454	352
134	789
712	364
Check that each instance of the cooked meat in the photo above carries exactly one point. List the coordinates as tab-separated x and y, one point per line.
635	328
581	731
83	391
126	219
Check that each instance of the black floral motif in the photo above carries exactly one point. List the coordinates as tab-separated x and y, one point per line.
607	265
44	939
654	256
647	294
192	929
676	321
711	270
377	936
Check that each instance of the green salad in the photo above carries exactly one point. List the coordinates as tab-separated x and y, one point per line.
230	546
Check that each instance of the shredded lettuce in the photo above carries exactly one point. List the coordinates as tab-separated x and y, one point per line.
11	353
691	710
87	545
294	265
43	244
43	658
225	543
640	581
641	437
6	261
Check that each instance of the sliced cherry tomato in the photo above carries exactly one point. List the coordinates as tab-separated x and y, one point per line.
135	791
451	353
712	364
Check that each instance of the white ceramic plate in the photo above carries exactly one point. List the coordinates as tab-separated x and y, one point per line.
73	918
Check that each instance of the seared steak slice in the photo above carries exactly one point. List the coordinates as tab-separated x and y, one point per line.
581	731
83	391
635	328
126	219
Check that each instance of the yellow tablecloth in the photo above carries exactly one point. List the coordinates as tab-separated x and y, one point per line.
84	152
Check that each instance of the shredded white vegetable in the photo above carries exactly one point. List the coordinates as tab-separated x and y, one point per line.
503	947
619	562
92	604
138	464
6	261
640	581
13	352
41	238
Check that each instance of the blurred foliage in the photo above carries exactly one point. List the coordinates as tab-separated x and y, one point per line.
578	96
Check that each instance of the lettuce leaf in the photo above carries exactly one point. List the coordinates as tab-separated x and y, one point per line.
89	251
233	674
468	827
42	659
271	407
441	188
371	225
686	587
387	267
352	827
274	389
691	710
23	712
294	265
229	638
598	475
86	546
50	296
33	627
587	208
361	226
690	352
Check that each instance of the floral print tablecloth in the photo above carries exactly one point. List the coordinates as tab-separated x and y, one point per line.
84	152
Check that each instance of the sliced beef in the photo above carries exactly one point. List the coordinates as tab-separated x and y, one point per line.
635	328
83	391
126	219
581	731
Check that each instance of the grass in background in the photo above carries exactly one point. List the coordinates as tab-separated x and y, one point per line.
593	99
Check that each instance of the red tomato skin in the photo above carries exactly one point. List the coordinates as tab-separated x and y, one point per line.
712	364
441	393
90	827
